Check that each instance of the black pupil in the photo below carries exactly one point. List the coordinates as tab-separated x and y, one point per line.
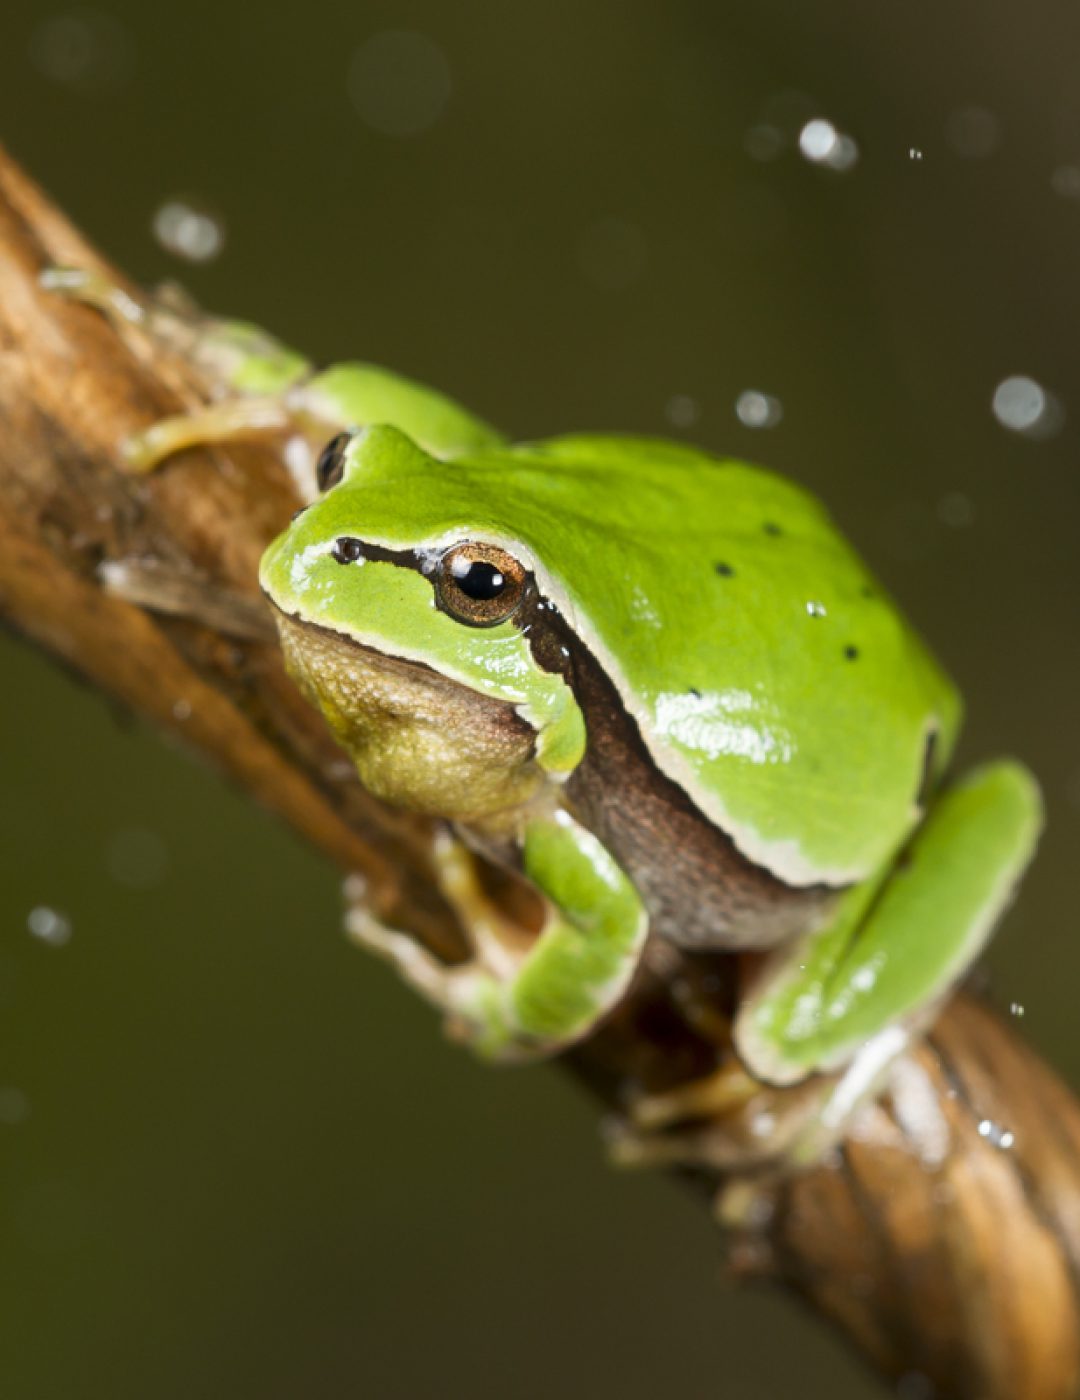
478	579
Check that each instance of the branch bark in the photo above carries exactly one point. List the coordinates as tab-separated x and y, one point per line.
943	1237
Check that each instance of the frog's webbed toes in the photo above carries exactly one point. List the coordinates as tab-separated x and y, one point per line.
93	288
471	995
726	1121
229	421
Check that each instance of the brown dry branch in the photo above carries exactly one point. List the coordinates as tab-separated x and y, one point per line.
943	1237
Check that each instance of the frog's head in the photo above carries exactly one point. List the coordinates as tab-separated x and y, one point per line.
409	628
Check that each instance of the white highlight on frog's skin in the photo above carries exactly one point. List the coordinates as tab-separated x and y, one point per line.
724	723
399	82
861	984
757	410
304	561
914	153
822	144
1022	405
189	230
49	925
641	610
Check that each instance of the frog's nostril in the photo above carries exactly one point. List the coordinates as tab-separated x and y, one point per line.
347	549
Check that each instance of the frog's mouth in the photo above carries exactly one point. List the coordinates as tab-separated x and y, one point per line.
419	739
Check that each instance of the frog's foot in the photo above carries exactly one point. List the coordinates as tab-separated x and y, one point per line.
468	993
232	420
160	588
726	1121
94	289
262	381
527	994
756	1135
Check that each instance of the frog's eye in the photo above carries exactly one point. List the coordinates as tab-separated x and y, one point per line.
479	584
331	464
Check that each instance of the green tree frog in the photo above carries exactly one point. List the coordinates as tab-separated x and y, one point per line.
657	683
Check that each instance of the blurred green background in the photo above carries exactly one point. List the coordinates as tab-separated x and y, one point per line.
235	1158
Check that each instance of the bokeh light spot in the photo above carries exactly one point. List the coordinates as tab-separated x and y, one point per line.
399	82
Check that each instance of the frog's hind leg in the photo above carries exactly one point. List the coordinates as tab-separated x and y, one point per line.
898	943
824	1024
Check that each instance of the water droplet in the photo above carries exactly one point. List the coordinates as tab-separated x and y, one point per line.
845	155
1016	1009
1024	406
995	1134
189	229
85	50
399	82
817	139
821	143
914	153
816	610
137	858
757	410
49	925
973	132
955	509
682	411
1065	181
612	254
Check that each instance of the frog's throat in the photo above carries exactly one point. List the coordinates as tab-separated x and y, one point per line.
419	740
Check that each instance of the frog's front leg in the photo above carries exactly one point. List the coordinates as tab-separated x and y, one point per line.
529	997
833	1013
